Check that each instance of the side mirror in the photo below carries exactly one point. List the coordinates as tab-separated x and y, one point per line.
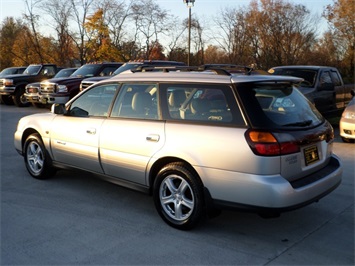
352	92
58	109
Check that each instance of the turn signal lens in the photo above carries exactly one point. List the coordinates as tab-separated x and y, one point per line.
257	136
8	82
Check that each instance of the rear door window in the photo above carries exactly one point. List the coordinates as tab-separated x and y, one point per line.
137	101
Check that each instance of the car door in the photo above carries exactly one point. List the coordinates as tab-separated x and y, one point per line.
133	133
75	136
340	92
325	99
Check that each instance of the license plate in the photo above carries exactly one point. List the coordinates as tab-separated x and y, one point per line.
311	155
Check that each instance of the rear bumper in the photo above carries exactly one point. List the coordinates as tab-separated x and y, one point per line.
273	193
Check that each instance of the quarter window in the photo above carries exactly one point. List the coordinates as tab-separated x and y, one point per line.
278	106
336	78
203	103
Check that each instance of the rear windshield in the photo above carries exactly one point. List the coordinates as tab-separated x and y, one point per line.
308	75
279	106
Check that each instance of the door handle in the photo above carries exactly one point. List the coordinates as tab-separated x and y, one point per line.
153	138
91	131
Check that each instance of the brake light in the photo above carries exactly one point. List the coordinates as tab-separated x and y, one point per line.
267	144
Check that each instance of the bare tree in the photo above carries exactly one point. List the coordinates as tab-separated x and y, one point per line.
175	40
9	30
81	9
60	12
341	20
32	18
150	22
233	36
285	32
197	39
116	15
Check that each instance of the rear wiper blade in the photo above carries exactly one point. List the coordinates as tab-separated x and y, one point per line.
299	124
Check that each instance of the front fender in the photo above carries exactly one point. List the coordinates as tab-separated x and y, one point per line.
37	123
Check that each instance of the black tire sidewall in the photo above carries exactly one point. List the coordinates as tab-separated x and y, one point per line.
19	94
7	100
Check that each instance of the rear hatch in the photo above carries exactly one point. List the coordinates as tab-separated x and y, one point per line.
284	123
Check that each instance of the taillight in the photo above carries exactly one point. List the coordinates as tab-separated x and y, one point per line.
271	144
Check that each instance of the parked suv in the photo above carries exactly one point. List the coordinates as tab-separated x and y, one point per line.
198	142
129	66
33	90
60	90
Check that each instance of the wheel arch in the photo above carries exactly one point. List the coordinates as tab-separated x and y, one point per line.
26	134
19	86
160	163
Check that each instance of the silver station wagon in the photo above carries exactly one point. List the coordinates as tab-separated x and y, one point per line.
198	142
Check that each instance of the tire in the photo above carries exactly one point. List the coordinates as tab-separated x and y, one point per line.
39	105
346	140
37	159
178	196
20	99
7	100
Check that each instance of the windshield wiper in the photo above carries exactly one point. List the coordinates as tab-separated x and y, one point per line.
299	124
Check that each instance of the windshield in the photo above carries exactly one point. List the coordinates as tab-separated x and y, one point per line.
32	70
278	106
64	73
125	67
8	71
308	75
86	71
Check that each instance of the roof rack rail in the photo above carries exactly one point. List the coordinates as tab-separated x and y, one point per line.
220	69
232	68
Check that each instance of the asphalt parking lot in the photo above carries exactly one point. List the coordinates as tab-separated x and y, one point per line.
76	219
